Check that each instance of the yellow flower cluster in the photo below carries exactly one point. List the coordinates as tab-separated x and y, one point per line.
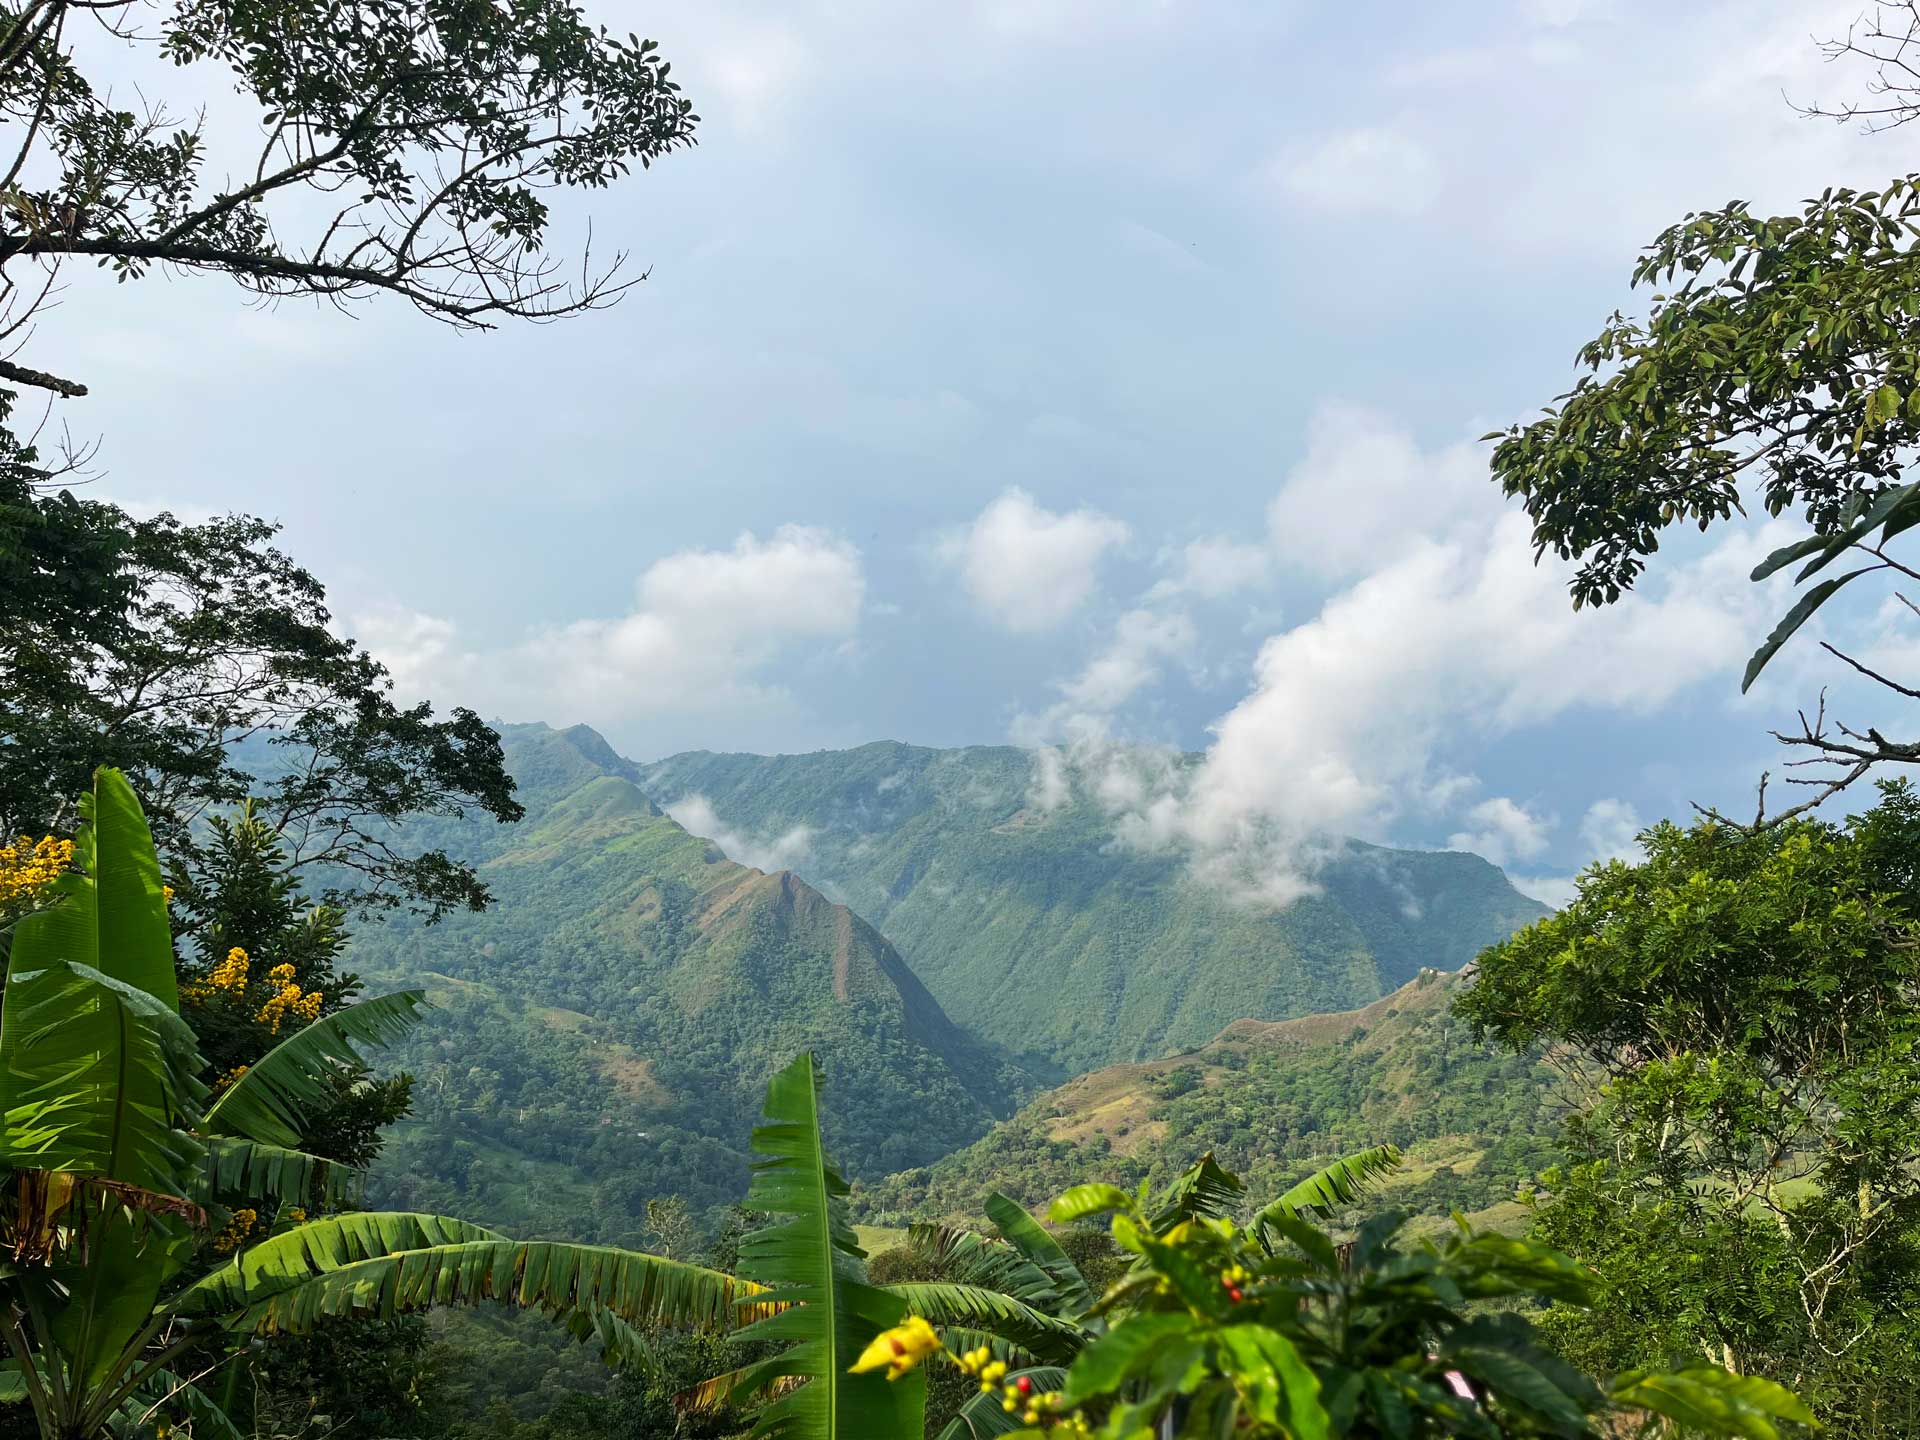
232	976
229	977
28	866
238	1228
232	973
903	1347
296	1215
288	999
228	1079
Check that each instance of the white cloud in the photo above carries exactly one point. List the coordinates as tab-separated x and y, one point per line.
1143	641
1556	891
1451	636
1607	832
1030	568
1377	170
417	649
1214	567
1502	831
1349	709
1608	829
785	851
1051	787
704	623
1365	493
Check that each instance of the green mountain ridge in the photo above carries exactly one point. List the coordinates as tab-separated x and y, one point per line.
612	1019
1039	931
1273	1101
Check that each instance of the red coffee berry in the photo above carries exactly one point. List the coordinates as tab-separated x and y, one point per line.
1025	1382
1234	1295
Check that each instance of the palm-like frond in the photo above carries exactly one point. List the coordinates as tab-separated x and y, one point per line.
384	1264
726	1388
1030	1238
98	1080
1342	1183
969	1258
982	1416
621	1345
943	1303
809	1262
282	1090
248	1170
1202	1189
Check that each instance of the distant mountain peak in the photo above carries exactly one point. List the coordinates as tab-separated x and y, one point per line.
1034	924
593	745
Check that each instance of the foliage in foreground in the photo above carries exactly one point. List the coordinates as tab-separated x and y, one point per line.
1743	1009
128	1177
1267	1329
1273	1330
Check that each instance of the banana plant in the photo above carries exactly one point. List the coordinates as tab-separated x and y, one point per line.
119	1171
1047	1313
810	1287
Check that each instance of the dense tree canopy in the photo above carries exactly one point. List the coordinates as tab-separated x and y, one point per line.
1743	1009
202	661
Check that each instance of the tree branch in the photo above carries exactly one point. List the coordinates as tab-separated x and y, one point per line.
40	379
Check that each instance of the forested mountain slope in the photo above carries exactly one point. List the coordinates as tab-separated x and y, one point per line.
613	1018
1034	928
1273	1102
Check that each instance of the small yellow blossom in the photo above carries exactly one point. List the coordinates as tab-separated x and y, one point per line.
238	1228
296	1215
899	1349
228	1079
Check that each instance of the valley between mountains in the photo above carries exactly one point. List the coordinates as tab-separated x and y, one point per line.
1002	995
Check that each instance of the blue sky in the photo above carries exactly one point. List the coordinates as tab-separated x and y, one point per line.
1075	372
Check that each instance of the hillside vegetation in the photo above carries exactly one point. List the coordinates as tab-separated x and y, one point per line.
1274	1102
613	1019
1036	929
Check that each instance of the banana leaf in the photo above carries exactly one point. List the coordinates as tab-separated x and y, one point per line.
283	1090
99	1081
810	1264
383	1264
